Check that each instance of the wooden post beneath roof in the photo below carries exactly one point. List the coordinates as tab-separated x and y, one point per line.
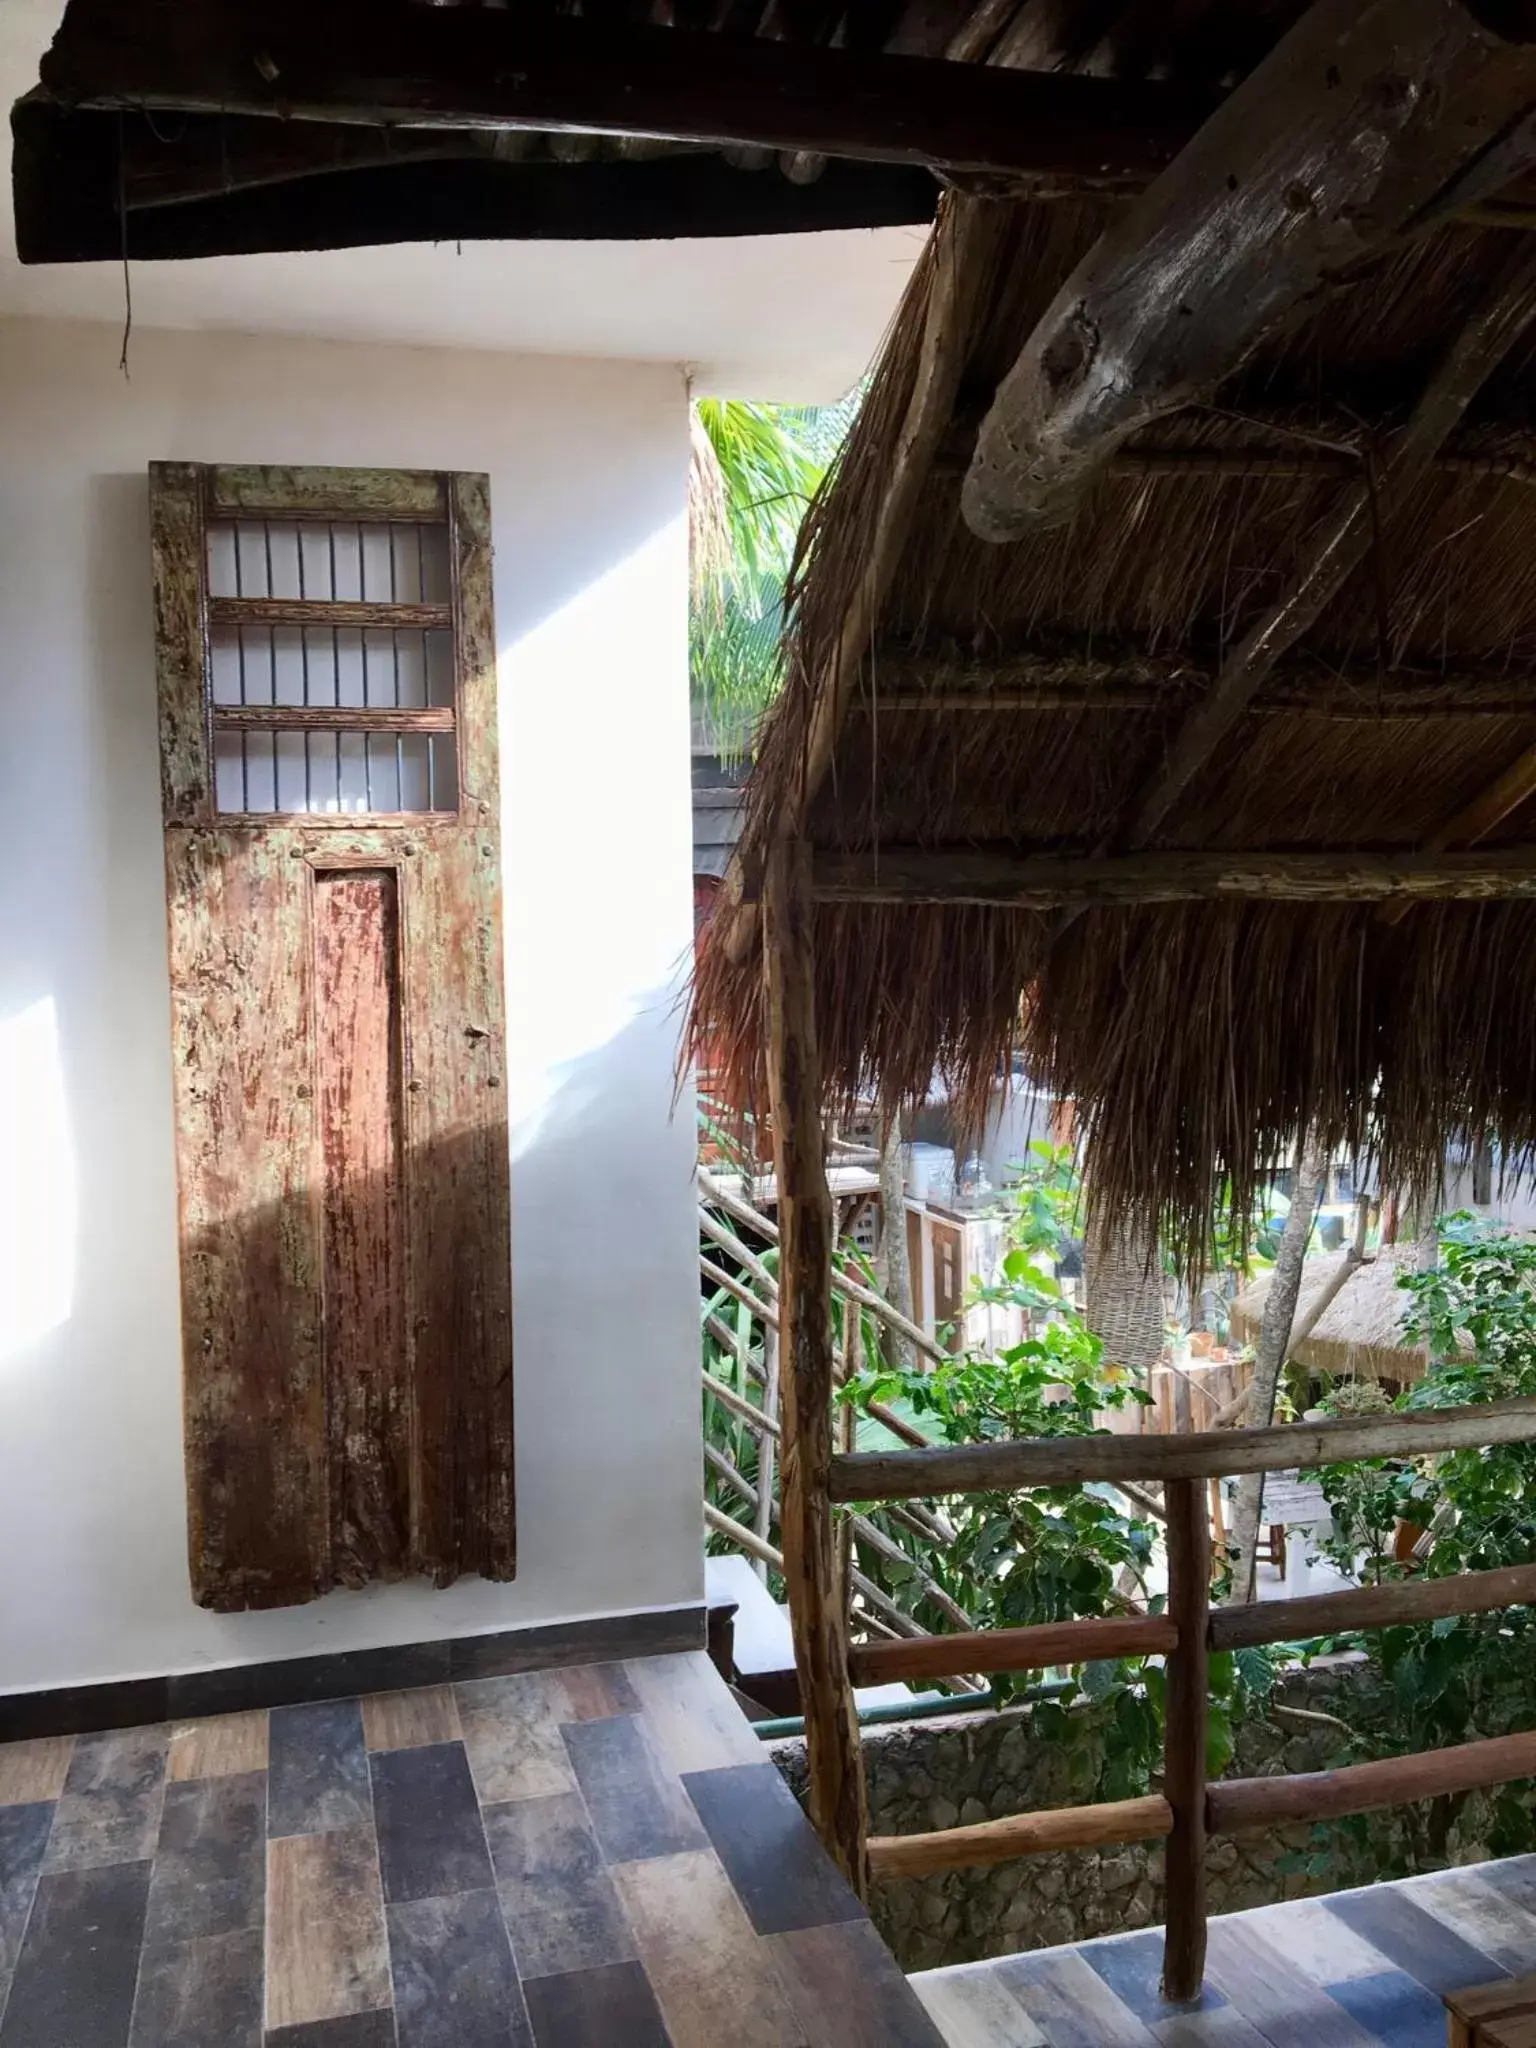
1189	1574
806	1367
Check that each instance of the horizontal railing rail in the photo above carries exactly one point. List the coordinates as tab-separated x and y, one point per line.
1011	1463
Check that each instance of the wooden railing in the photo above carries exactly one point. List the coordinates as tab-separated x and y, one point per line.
816	1477
1188	1808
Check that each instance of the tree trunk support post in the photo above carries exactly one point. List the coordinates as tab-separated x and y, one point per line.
806	1368
1189	1572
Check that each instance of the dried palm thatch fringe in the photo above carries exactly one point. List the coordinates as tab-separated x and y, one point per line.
1197	1040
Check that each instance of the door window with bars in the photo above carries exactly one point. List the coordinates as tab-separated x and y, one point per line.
331	666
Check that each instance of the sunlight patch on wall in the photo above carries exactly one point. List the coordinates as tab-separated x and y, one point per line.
38	1200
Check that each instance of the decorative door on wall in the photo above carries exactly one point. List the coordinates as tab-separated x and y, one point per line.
326	661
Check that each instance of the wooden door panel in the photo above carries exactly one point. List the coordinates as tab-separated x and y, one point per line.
339	1062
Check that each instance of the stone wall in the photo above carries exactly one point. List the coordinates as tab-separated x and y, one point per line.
956	1770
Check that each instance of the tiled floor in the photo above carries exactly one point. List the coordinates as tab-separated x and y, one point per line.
1363	1969
599	1855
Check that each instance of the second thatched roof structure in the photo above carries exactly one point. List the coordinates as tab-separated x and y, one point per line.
1360	1333
968	729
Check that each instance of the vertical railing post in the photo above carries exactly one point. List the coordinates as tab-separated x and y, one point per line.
806	1367
1189	1600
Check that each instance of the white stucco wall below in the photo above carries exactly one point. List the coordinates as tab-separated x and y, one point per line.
588	466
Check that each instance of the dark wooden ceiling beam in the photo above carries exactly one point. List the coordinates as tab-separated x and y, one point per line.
1054	881
1356	130
1140	683
465	67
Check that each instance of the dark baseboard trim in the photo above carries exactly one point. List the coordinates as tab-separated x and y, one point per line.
135	1702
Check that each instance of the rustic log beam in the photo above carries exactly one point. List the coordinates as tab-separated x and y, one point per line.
1238	1803
1482	815
523	68
1352	127
1389	1606
1184	1732
1008	1466
1021	1834
1037	1648
1045	881
807	1369
1138	700
1343	543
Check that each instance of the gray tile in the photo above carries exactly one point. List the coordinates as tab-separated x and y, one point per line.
561	1908
317	1770
638	1805
351	2030
1413	1939
1132	1967
79	1962
200	1994
455	1984
23	1840
211	1865
431	1841
782	1875
109	1811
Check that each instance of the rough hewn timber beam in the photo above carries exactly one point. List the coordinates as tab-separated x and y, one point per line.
1481	344
464	67
1048	881
1005	1467
1347	134
1037	1648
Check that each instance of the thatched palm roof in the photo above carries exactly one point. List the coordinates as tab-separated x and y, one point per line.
1360	1333
1020	696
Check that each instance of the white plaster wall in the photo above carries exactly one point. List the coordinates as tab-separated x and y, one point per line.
588	466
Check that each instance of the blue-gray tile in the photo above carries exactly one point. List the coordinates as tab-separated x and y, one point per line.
781	1873
211	1864
317	1769
1394	2007
599	2008
1132	1967
109	1810
455	1984
1287	2008
431	1840
638	1805
200	1994
23	1841
79	1961
1413	1939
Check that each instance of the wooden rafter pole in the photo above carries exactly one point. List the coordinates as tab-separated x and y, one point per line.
1344	542
960	260
807	1367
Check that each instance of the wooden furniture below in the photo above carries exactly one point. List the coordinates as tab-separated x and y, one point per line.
1497	2015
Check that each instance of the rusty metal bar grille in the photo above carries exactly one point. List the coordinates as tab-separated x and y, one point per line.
331	667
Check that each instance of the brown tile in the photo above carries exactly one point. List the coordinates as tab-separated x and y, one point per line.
592	1692
109	1810
847	1990
561	1908
225	1746
30	1771
690	1713
326	1949
512	1734
411	1720
714	1978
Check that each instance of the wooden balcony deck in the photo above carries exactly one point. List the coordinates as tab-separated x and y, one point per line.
1362	1969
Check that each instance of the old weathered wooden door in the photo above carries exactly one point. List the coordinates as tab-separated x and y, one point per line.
328	750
